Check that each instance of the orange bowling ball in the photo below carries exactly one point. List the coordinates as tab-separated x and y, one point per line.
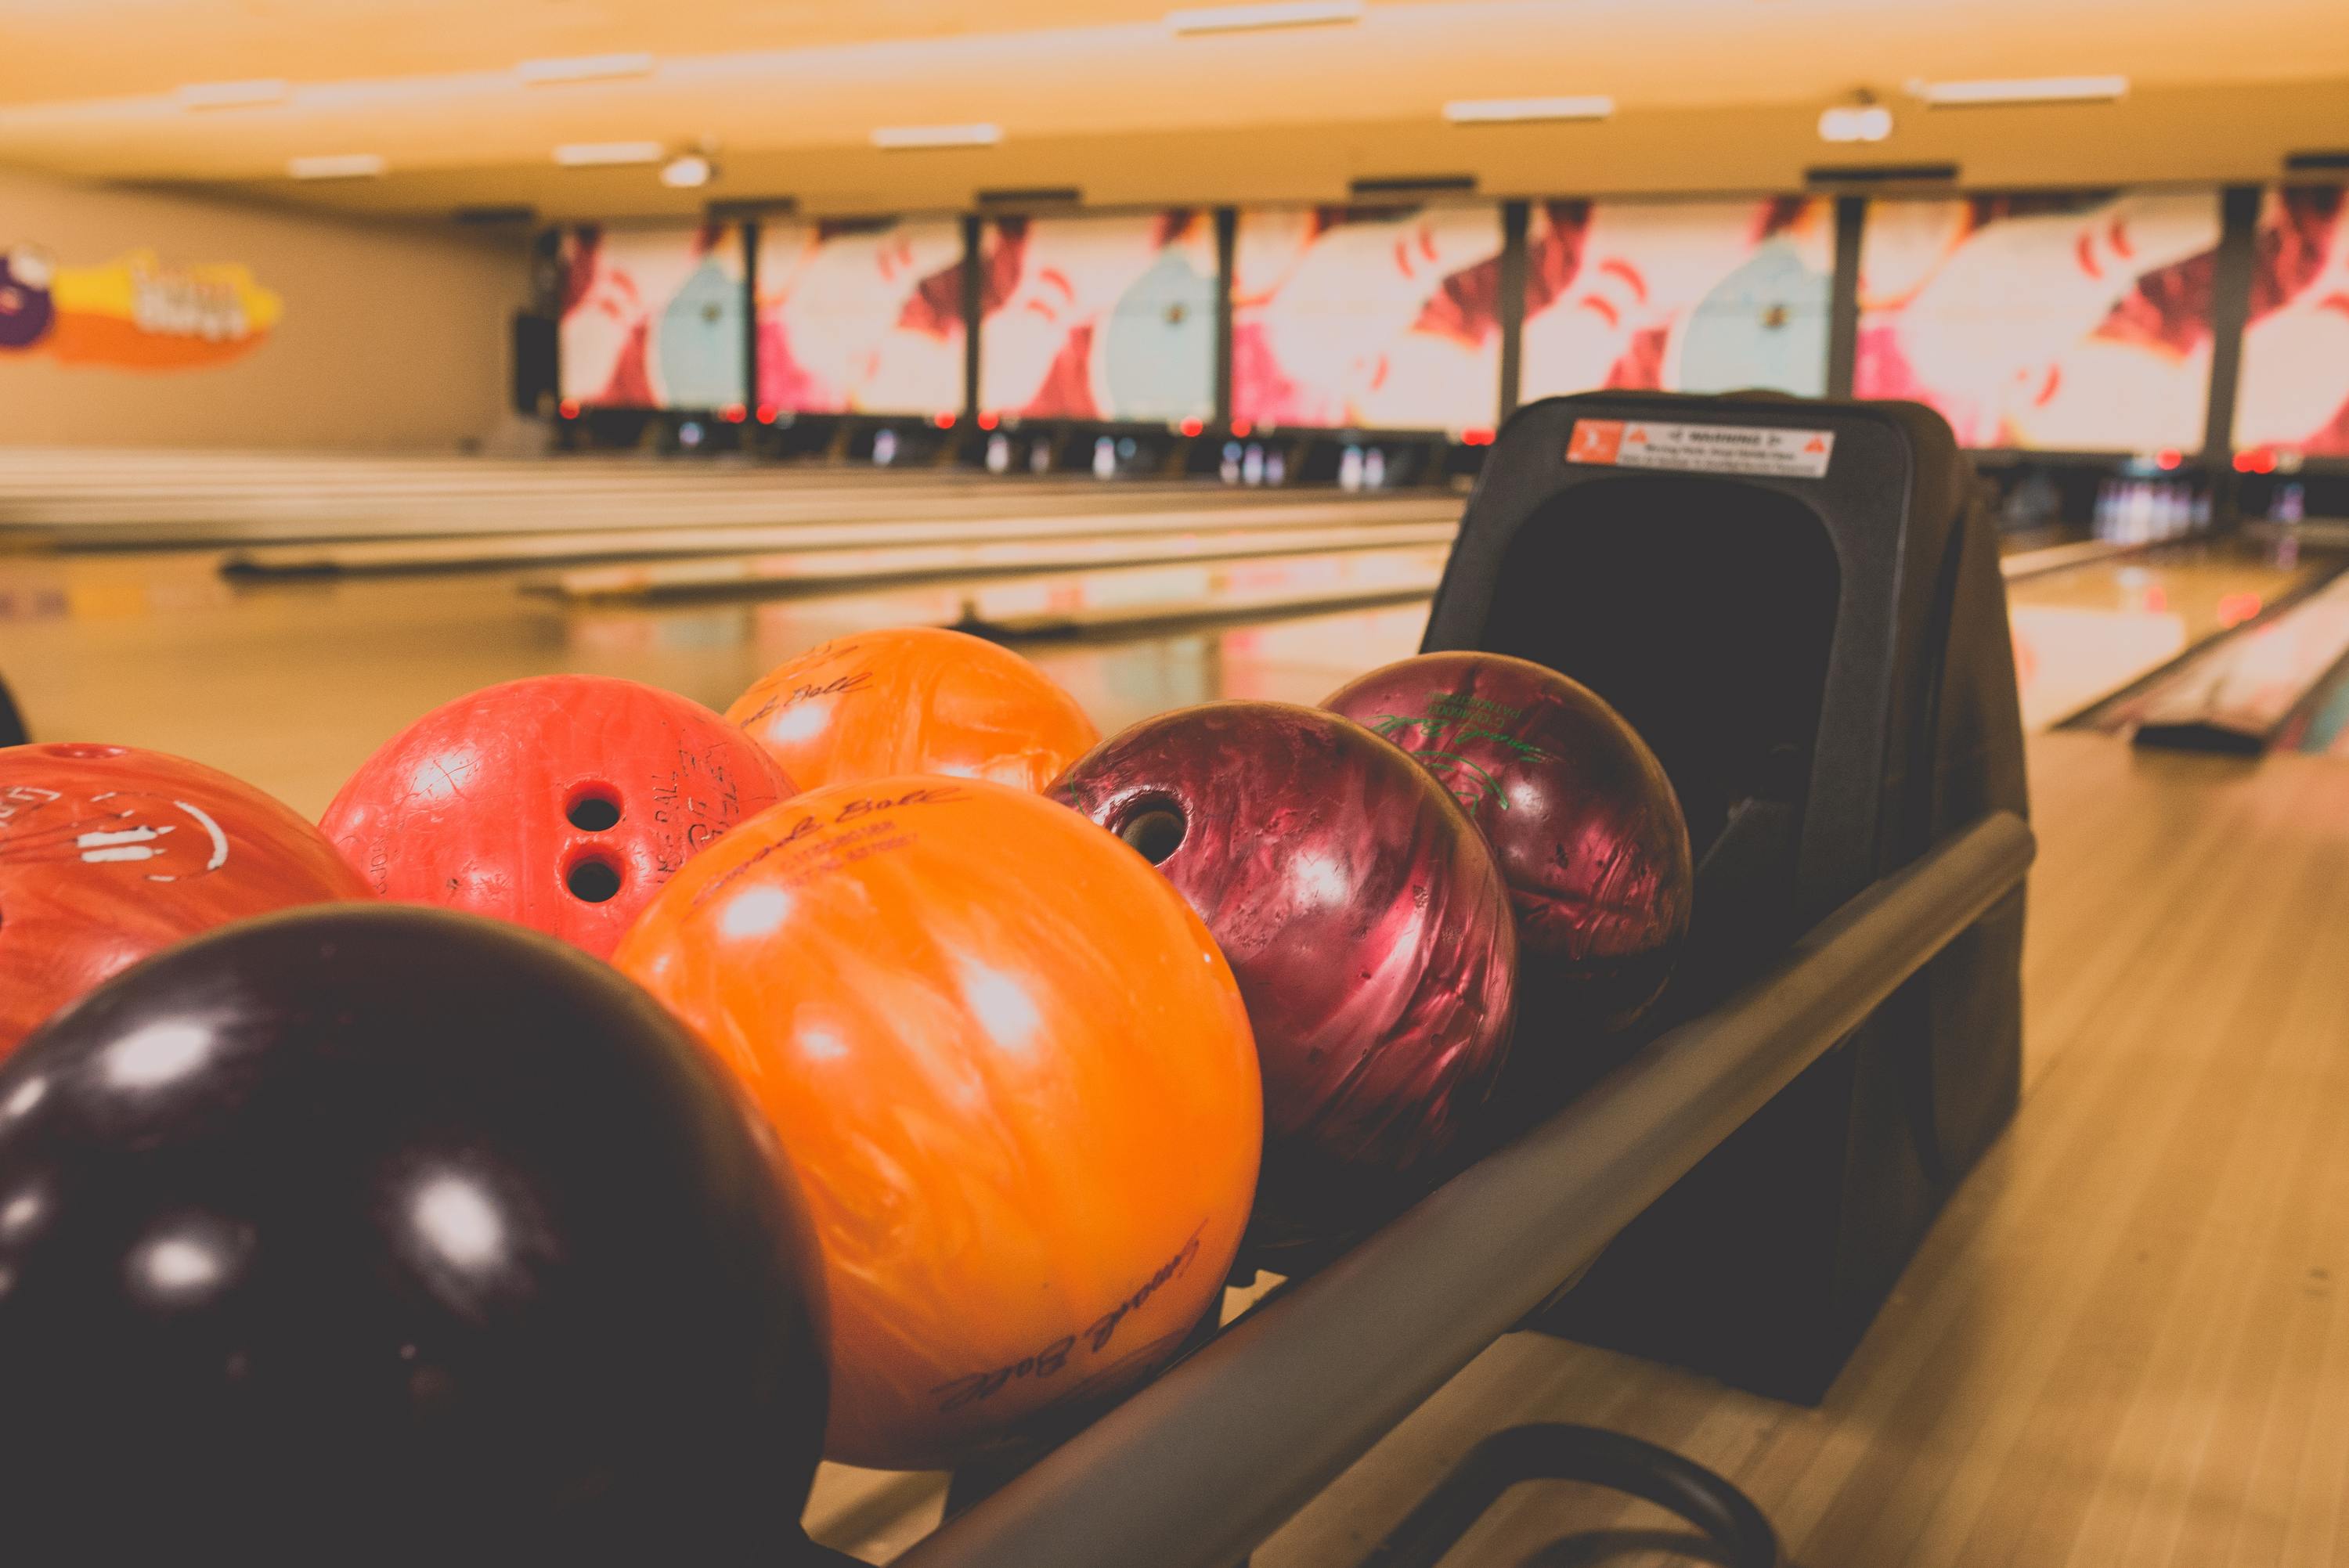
109	854
915	699
1013	1075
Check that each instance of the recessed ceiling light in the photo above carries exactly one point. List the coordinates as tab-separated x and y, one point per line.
687	172
1252	18
1515	112
584	67
232	95
907	138
337	166
599	154
2023	89
1856	122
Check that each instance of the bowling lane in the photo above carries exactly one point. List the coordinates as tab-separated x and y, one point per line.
292	686
2082	632
159	501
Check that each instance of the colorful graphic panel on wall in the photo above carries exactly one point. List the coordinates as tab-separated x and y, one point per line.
1680	296
652	318
860	317
137	313
2067	323
1371	317
2294	390
1099	318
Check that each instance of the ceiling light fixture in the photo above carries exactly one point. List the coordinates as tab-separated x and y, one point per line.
2021	90
910	138
687	172
605	154
337	166
1862	119
1519	111
1254	19
232	95
583	68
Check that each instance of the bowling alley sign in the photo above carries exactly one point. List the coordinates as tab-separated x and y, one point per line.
138	312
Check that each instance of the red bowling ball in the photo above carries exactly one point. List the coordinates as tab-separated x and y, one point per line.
1586	826
1367	924
109	854
562	802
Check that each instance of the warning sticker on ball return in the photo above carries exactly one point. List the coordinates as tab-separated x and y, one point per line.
1767	449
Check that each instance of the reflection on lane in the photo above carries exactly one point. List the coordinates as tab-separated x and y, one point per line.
2082	633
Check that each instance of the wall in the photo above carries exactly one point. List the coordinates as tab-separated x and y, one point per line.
390	337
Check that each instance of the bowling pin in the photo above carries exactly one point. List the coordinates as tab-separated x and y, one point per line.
1374	467
1350	468
1104	458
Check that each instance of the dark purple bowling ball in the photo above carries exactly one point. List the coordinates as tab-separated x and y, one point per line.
374	1235
1365	918
1585	825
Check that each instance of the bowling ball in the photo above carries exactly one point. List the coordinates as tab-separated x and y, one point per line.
1013	1075
109	854
1366	922
379	1233
562	802
914	700
1585	825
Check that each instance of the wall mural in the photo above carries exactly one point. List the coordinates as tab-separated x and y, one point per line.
135	312
2295	386
1099	318
861	315
1685	297
1373	316
652	318
2060	321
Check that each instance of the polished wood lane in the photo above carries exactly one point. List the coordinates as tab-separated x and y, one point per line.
2127	1341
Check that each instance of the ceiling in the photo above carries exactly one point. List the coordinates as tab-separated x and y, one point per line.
1102	95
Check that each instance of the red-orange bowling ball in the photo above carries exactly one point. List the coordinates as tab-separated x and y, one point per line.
561	802
1585	824
914	700
109	854
1014	1077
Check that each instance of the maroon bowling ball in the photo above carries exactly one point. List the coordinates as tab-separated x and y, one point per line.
1367	924
1586	826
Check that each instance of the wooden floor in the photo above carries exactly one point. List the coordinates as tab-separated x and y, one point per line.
2128	1342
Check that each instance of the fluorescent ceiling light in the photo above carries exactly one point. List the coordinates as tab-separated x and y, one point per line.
2023	89
230	95
906	138
687	172
1856	122
584	67
598	154
1514	111
1250	18
337	166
